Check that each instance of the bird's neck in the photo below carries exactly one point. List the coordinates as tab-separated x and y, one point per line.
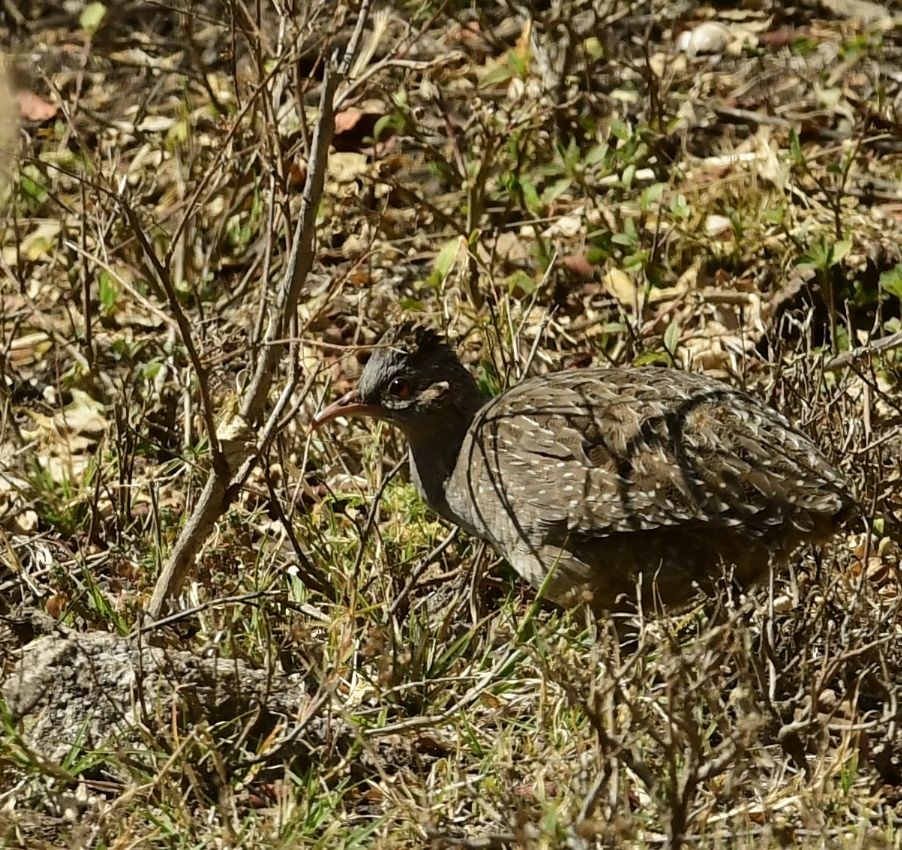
434	451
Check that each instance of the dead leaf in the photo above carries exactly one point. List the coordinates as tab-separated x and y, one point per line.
297	174
83	415
717	225
567	226
32	107
511	247
28	348
861	9
56	605
578	265
36	244
345	167
347	120
236	440
156	124
619	284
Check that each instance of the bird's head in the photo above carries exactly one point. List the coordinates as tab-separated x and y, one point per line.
412	379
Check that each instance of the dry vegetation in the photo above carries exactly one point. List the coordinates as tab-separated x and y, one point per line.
557	184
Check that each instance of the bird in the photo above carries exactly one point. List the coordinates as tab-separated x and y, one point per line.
611	486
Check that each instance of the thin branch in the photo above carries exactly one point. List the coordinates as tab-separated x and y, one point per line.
301	259
184	326
842	360
243	445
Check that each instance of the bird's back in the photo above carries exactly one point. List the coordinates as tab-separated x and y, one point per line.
598	475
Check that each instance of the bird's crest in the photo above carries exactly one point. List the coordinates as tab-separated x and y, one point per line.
414	337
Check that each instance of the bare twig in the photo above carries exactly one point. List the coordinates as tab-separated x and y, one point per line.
847	357
184	327
218	491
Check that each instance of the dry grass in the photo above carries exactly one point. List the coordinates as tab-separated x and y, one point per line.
555	191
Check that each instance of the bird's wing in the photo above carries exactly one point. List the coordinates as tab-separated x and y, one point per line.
597	452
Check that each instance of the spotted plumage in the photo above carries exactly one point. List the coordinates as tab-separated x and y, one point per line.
599	483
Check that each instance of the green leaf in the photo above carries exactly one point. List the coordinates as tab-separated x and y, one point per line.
571	155
823	255
91	17
444	261
817	256
628	236
177	134
520	284
151	369
620	130
530	194
843	341
891	281
109	293
496	76
31	184
651	358
382	124
795	149
556	189
672	337
596	154
594	48
518	64
803	46
487	379
651	195
775	215
597	254
679	207
839	250
627	177
635	261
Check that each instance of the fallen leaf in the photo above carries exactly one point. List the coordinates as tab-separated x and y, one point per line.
619	284
32	107
156	124
345	167
56	605
347	120
40	241
567	226
578	265
84	415
715	225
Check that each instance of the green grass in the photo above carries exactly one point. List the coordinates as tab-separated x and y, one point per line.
602	203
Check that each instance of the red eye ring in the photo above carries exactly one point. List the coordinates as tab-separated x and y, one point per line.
400	389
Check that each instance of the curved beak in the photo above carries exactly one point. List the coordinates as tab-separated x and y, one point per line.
348	405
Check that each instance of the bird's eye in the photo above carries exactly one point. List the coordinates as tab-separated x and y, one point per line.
400	389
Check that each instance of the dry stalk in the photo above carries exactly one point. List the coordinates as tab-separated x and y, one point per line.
242	448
